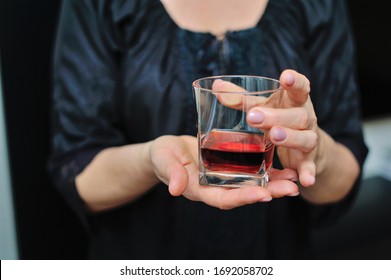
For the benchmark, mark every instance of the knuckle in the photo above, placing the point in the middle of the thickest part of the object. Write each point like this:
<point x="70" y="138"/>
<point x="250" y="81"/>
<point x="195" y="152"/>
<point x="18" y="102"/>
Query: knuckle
<point x="303" y="119"/>
<point x="305" y="83"/>
<point x="308" y="86"/>
<point x="312" y="141"/>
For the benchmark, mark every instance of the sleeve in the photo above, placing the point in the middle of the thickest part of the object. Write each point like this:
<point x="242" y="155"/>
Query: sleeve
<point x="334" y="88"/>
<point x="85" y="93"/>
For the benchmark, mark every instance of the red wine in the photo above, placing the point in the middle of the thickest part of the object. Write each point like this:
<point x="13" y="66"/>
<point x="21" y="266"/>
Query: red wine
<point x="234" y="151"/>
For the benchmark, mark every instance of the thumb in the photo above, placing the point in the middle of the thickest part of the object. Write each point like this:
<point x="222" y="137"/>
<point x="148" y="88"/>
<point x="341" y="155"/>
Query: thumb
<point x="170" y="171"/>
<point x="177" y="179"/>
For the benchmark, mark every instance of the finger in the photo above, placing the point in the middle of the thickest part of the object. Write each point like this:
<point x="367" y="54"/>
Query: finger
<point x="297" y="86"/>
<point x="233" y="96"/>
<point x="229" y="198"/>
<point x="227" y="93"/>
<point x="284" y="174"/>
<point x="266" y="118"/>
<point x="307" y="171"/>
<point x="281" y="188"/>
<point x="171" y="171"/>
<point x="220" y="85"/>
<point x="302" y="140"/>
<point x="177" y="179"/>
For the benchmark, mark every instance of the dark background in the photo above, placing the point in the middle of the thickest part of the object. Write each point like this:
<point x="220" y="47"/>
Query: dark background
<point x="46" y="227"/>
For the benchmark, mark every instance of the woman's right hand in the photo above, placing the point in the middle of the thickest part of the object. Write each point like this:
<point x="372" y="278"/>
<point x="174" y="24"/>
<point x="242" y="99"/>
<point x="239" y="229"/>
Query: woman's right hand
<point x="120" y="175"/>
<point x="175" y="162"/>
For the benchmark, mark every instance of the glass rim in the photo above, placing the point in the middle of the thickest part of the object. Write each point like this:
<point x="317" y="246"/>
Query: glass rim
<point x="196" y="84"/>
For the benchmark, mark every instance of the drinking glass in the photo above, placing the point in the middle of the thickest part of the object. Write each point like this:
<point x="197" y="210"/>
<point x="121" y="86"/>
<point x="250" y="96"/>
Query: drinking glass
<point x="231" y="152"/>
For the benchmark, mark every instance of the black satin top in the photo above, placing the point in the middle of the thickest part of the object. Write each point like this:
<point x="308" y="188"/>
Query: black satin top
<point x="122" y="74"/>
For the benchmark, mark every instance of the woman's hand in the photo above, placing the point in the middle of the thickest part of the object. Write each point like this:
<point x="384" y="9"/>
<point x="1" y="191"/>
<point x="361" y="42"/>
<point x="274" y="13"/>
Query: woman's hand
<point x="289" y="118"/>
<point x="325" y="165"/>
<point x="292" y="126"/>
<point x="175" y="162"/>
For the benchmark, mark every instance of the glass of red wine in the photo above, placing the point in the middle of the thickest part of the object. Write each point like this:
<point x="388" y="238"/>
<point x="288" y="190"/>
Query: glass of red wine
<point x="231" y="152"/>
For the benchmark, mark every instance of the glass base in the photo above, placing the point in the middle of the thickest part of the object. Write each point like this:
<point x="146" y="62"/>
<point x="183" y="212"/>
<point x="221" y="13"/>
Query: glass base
<point x="232" y="180"/>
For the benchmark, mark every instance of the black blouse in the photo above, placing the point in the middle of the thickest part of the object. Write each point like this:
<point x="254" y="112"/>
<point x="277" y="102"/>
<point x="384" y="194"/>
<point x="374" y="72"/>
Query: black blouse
<point x="122" y="74"/>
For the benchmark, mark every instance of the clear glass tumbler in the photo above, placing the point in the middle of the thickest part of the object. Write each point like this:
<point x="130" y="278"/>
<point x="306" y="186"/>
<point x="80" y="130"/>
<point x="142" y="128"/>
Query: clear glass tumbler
<point x="231" y="152"/>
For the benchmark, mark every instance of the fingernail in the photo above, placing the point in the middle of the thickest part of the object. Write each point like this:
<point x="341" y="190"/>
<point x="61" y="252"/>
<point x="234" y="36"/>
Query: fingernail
<point x="278" y="134"/>
<point x="218" y="82"/>
<point x="266" y="199"/>
<point x="255" y="117"/>
<point x="294" y="194"/>
<point x="289" y="79"/>
<point x="218" y="85"/>
<point x="308" y="181"/>
<point x="311" y="180"/>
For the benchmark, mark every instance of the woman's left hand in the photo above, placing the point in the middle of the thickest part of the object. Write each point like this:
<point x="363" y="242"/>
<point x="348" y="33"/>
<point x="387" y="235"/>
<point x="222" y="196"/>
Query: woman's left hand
<point x="293" y="126"/>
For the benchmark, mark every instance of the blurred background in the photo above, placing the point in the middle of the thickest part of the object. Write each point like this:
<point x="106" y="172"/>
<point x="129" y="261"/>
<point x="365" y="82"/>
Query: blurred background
<point x="35" y="223"/>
